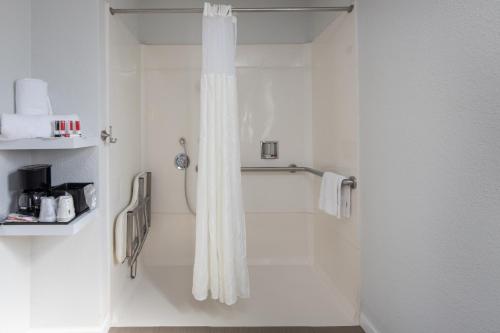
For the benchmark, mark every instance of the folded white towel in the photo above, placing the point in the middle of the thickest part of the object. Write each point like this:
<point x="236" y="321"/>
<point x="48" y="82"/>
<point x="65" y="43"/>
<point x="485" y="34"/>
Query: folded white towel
<point x="15" y="126"/>
<point x="334" y="199"/>
<point x="32" y="97"/>
<point x="345" y="201"/>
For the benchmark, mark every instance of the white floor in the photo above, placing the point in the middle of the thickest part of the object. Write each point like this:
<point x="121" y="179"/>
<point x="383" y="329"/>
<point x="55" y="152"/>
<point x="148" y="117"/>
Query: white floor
<point x="280" y="296"/>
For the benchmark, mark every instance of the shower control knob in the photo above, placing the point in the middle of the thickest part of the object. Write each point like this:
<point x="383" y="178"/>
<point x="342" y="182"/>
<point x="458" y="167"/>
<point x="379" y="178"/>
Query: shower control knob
<point x="181" y="161"/>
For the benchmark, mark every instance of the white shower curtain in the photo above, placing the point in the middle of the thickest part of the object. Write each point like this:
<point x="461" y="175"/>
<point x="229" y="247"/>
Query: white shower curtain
<point x="220" y="267"/>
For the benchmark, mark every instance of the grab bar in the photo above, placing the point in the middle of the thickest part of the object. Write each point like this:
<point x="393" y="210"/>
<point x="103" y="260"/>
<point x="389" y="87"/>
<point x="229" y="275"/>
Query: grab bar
<point x="350" y="181"/>
<point x="292" y="168"/>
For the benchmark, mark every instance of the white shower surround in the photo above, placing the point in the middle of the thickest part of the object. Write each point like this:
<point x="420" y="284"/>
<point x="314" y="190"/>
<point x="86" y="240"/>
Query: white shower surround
<point x="267" y="78"/>
<point x="297" y="256"/>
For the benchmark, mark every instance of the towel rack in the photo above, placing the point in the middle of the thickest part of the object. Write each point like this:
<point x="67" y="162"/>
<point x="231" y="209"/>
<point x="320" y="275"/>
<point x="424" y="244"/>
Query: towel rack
<point x="139" y="223"/>
<point x="350" y="181"/>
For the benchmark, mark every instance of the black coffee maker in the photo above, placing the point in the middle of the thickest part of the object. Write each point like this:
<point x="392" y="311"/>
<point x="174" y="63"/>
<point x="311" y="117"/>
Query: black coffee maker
<point x="36" y="181"/>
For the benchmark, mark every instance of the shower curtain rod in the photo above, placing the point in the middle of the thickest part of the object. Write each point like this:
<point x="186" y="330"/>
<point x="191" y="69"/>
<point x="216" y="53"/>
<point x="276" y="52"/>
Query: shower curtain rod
<point x="114" y="11"/>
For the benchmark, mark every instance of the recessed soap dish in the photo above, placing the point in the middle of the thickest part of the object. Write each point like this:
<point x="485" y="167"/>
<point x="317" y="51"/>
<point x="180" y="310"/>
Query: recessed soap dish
<point x="269" y="150"/>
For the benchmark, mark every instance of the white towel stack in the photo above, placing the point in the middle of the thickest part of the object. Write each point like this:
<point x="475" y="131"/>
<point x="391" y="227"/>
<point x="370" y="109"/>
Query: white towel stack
<point x="335" y="199"/>
<point x="32" y="97"/>
<point x="33" y="117"/>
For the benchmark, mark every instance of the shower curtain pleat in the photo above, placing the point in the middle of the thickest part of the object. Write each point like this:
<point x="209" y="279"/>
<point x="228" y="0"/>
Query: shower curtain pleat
<point x="220" y="268"/>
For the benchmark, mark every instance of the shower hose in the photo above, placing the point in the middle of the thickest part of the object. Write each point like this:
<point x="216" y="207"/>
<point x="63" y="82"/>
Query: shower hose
<point x="182" y="141"/>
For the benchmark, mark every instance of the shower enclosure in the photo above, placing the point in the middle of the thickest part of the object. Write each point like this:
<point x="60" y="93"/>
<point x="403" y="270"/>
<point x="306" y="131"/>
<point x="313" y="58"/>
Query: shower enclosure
<point x="297" y="84"/>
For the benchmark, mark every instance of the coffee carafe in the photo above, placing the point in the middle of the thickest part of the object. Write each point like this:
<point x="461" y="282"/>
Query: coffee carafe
<point x="36" y="181"/>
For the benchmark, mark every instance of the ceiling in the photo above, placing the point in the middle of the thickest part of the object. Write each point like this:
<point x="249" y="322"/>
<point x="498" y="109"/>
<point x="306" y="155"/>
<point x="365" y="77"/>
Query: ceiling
<point x="253" y="28"/>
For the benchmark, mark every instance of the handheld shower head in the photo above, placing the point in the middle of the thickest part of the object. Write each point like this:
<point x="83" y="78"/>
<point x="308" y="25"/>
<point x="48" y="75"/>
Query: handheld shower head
<point x="182" y="163"/>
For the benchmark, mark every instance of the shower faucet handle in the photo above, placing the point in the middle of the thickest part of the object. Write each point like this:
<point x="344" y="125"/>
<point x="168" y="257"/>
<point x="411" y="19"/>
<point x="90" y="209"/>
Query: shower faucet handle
<point x="108" y="136"/>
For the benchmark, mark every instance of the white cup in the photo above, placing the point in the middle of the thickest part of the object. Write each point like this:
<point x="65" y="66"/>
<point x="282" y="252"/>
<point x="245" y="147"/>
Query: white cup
<point x="65" y="208"/>
<point x="48" y="208"/>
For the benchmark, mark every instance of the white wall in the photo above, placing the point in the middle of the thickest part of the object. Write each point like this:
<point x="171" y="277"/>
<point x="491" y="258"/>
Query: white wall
<point x="56" y="284"/>
<point x="69" y="277"/>
<point x="14" y="64"/>
<point x="335" y="145"/>
<point x="430" y="157"/>
<point x="15" y="285"/>
<point x="14" y="252"/>
<point x="70" y="59"/>
<point x="274" y="103"/>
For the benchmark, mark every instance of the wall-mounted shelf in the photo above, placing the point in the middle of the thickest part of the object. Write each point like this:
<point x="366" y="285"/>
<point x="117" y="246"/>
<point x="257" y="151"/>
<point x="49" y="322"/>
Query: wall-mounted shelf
<point x="49" y="143"/>
<point x="49" y="230"/>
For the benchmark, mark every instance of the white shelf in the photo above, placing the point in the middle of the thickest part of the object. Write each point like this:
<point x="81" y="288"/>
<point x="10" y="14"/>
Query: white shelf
<point x="48" y="143"/>
<point x="49" y="230"/>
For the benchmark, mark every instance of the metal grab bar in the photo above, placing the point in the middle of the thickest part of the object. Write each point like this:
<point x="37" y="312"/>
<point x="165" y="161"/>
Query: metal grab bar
<point x="350" y="181"/>
<point x="292" y="168"/>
